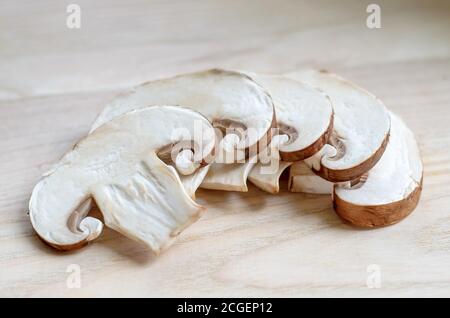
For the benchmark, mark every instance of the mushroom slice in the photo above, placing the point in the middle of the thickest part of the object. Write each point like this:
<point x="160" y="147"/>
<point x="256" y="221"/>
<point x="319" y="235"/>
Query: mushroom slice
<point x="193" y="181"/>
<point x="304" y="117"/>
<point x="303" y="179"/>
<point x="230" y="100"/>
<point x="118" y="167"/>
<point x="191" y="176"/>
<point x="392" y="188"/>
<point x="267" y="172"/>
<point x="360" y="131"/>
<point x="227" y="177"/>
<point x="268" y="181"/>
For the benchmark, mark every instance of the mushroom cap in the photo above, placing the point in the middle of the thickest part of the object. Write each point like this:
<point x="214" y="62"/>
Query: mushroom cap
<point x="117" y="165"/>
<point x="303" y="113"/>
<point x="360" y="129"/>
<point x="392" y="188"/>
<point x="226" y="98"/>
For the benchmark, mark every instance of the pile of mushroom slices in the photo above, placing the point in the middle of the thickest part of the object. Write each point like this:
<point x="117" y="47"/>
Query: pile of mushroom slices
<point x="151" y="148"/>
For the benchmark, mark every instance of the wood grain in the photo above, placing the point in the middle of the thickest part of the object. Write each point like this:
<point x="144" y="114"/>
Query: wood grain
<point x="53" y="82"/>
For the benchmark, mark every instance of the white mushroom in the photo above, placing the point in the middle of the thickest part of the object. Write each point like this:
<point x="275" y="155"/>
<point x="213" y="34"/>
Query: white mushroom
<point x="267" y="172"/>
<point x="384" y="195"/>
<point x="228" y="177"/>
<point x="303" y="179"/>
<point x="303" y="114"/>
<point x="304" y="119"/>
<point x="360" y="131"/>
<point x="230" y="100"/>
<point x="118" y="166"/>
<point x="392" y="188"/>
<point x="193" y="181"/>
<point x="268" y="181"/>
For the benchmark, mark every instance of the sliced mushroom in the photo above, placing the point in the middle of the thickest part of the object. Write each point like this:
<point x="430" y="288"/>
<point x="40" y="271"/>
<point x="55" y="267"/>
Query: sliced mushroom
<point x="304" y="116"/>
<point x="267" y="172"/>
<point x="227" y="177"/>
<point x="268" y="181"/>
<point x="118" y="166"/>
<point x="193" y="181"/>
<point x="392" y="188"/>
<point x="230" y="100"/>
<point x="360" y="131"/>
<point x="303" y="179"/>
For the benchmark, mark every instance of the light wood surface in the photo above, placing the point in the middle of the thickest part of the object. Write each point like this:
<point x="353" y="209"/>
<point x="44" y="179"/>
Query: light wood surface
<point x="53" y="82"/>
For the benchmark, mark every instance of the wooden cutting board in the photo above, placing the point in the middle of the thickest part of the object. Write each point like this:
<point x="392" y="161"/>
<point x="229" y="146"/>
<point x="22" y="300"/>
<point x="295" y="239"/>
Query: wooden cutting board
<point x="54" y="80"/>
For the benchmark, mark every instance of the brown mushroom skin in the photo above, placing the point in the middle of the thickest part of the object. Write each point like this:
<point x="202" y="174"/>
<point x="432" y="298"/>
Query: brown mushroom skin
<point x="356" y="171"/>
<point x="65" y="248"/>
<point x="376" y="215"/>
<point x="311" y="149"/>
